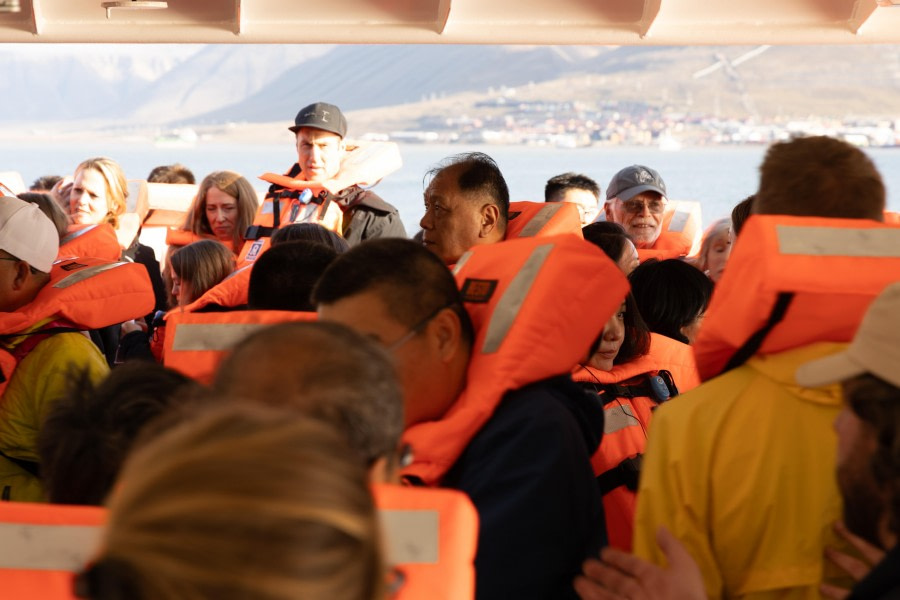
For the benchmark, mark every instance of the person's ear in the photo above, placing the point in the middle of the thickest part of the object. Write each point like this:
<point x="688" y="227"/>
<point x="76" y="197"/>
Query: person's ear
<point x="490" y="217"/>
<point x="607" y="210"/>
<point x="23" y="273"/>
<point x="446" y="330"/>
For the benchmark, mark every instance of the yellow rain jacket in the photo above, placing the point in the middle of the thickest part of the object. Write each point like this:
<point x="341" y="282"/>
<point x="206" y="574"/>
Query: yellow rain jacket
<point x="742" y="470"/>
<point x="42" y="378"/>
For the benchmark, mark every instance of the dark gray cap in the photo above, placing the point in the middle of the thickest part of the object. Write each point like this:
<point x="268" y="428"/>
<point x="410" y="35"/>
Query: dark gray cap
<point x="321" y="115"/>
<point x="634" y="180"/>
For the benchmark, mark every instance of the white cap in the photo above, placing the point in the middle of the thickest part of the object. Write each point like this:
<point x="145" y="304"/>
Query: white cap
<point x="875" y="348"/>
<point x="27" y="233"/>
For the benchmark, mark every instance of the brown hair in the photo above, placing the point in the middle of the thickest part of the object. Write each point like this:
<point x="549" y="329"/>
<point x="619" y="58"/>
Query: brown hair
<point x="819" y="177"/>
<point x="235" y="186"/>
<point x="116" y="185"/>
<point x="241" y="502"/>
<point x="49" y="207"/>
<point x="877" y="402"/>
<point x="202" y="265"/>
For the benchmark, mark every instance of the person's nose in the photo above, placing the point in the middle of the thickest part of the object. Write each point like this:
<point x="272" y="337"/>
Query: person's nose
<point x="426" y="221"/>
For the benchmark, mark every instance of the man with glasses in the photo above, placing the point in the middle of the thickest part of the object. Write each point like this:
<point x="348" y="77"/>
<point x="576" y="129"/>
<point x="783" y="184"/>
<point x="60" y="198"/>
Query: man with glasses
<point x="577" y="189"/>
<point x="526" y="468"/>
<point x="636" y="200"/>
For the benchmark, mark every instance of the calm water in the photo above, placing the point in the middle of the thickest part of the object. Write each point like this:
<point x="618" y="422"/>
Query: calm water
<point x="717" y="177"/>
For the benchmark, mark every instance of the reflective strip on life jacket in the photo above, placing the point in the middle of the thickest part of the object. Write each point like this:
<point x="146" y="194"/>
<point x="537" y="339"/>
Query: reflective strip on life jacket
<point x="43" y="544"/>
<point x="530" y="219"/>
<point x="681" y="233"/>
<point x="793" y="281"/>
<point x="507" y="288"/>
<point x="76" y="234"/>
<point x="46" y="547"/>
<point x="196" y="343"/>
<point x="431" y="536"/>
<point x="90" y="293"/>
<point x="618" y="417"/>
<point x="508" y="306"/>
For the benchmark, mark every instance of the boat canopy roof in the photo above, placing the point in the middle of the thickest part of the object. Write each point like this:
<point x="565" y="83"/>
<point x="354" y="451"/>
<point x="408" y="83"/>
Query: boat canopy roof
<point x="591" y="22"/>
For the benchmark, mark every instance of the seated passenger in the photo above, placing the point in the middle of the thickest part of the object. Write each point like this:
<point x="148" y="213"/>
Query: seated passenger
<point x="87" y="434"/>
<point x="700" y="477"/>
<point x="578" y="189"/>
<point x="715" y="249"/>
<point x="177" y="173"/>
<point x="527" y="466"/>
<point x="198" y="267"/>
<point x="223" y="210"/>
<point x="615" y="243"/>
<point x="636" y="200"/>
<point x="466" y="204"/>
<point x="303" y="367"/>
<point x="51" y="209"/>
<point x="672" y="297"/>
<point x="241" y="502"/>
<point x="44" y="184"/>
<point x="43" y="312"/>
<point x="284" y="276"/>
<point x="311" y="232"/>
<point x="739" y="214"/>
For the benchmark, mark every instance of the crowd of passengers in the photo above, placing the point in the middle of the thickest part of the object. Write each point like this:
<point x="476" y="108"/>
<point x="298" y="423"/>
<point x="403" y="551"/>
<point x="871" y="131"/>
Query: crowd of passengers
<point x="631" y="413"/>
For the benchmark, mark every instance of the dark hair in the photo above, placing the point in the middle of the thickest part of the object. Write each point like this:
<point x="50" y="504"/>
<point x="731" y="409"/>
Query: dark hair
<point x="556" y="186"/>
<point x="478" y="173"/>
<point x="312" y="232"/>
<point x="877" y="402"/>
<point x="740" y="213"/>
<point x="314" y="361"/>
<point x="819" y="177"/>
<point x="87" y="434"/>
<point x="670" y="294"/>
<point x="50" y="208"/>
<point x="176" y="173"/>
<point x="411" y="280"/>
<point x="608" y="236"/>
<point x="636" y="342"/>
<point x="284" y="276"/>
<point x="45" y="183"/>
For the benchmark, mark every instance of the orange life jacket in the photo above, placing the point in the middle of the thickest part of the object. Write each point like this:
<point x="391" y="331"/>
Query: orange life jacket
<point x="527" y="219"/>
<point x="195" y="343"/>
<point x="364" y="164"/>
<point x="182" y="237"/>
<point x="535" y="316"/>
<point x="891" y="217"/>
<point x="431" y="537"/>
<point x="675" y="357"/>
<point x="44" y="545"/>
<point x="792" y="281"/>
<point x="231" y="292"/>
<point x="88" y="293"/>
<point x="629" y="397"/>
<point x="98" y="241"/>
<point x="681" y="233"/>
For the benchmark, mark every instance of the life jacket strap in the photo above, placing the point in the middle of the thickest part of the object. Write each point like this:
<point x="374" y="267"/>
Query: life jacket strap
<point x="660" y="386"/>
<point x="29" y="466"/>
<point x="625" y="473"/>
<point x="755" y="341"/>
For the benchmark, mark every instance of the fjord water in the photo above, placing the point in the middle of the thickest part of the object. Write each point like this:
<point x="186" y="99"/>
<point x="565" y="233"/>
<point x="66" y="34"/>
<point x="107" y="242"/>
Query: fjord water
<point x="717" y="177"/>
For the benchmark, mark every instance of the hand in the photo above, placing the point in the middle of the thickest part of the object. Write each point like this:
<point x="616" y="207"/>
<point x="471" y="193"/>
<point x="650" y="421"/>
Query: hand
<point x="621" y="575"/>
<point x="856" y="568"/>
<point x="60" y="193"/>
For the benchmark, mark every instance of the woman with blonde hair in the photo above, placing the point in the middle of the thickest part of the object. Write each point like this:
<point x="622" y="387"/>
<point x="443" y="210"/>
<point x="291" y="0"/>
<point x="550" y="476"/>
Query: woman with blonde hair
<point x="99" y="192"/>
<point x="196" y="268"/>
<point x="224" y="208"/>
<point x="240" y="502"/>
<point x="715" y="249"/>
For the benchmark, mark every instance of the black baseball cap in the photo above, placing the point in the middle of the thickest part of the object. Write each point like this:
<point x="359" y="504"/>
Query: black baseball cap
<point x="634" y="180"/>
<point x="321" y="115"/>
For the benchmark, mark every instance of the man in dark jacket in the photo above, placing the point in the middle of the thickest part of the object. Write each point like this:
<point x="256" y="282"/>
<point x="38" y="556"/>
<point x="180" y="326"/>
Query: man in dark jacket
<point x="320" y="129"/>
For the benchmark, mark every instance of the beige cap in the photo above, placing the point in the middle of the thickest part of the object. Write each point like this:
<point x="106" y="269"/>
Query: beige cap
<point x="875" y="349"/>
<point x="27" y="233"/>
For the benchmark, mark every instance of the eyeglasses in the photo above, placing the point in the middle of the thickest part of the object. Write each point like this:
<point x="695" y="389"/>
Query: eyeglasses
<point x="636" y="206"/>
<point x="417" y="328"/>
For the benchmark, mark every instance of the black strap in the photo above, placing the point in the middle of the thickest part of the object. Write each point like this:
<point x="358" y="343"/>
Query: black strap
<point x="48" y="331"/>
<point x="754" y="342"/>
<point x="28" y="466"/>
<point x="626" y="473"/>
<point x="640" y="386"/>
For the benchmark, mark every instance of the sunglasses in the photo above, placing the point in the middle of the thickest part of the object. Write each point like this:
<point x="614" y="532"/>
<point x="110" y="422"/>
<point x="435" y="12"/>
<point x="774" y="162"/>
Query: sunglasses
<point x="637" y="206"/>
